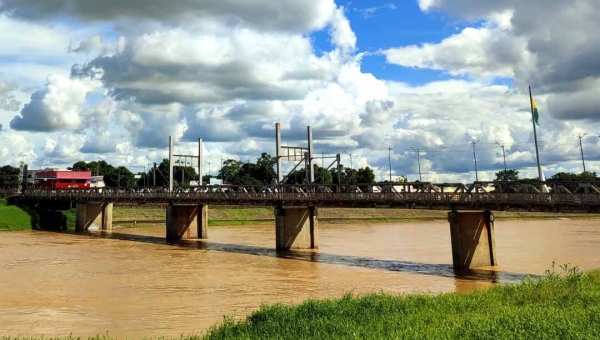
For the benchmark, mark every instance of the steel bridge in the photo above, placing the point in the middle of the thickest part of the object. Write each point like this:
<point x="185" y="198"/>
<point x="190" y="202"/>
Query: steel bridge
<point x="543" y="196"/>
<point x="296" y="207"/>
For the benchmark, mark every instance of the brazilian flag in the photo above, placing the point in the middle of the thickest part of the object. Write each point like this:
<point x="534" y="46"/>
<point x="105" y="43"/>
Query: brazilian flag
<point x="536" y="115"/>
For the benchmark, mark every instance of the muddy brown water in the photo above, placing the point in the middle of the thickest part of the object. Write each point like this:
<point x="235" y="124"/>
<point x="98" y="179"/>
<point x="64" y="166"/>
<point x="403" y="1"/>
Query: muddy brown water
<point x="133" y="283"/>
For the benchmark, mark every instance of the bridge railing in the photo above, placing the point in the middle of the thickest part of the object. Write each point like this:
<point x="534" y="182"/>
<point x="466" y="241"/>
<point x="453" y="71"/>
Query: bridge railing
<point x="300" y="195"/>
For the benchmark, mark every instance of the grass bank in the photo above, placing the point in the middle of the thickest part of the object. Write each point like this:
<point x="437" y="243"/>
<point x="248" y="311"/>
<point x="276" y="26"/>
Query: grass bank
<point x="13" y="218"/>
<point x="16" y="218"/>
<point x="555" y="307"/>
<point x="153" y="214"/>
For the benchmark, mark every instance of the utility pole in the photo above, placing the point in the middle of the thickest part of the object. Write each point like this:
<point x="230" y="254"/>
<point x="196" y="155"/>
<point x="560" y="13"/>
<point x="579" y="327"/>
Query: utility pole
<point x="475" y="158"/>
<point x="144" y="174"/>
<point x="419" y="160"/>
<point x="154" y="175"/>
<point x="581" y="147"/>
<point x="503" y="155"/>
<point x="390" y="161"/>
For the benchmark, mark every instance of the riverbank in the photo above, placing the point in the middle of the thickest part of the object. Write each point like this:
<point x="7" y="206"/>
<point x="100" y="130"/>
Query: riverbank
<point x="555" y="307"/>
<point x="140" y="215"/>
<point x="13" y="218"/>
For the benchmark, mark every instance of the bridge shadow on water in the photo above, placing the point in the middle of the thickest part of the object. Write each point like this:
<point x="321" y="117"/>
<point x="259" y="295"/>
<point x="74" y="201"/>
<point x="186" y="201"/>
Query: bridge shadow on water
<point x="442" y="270"/>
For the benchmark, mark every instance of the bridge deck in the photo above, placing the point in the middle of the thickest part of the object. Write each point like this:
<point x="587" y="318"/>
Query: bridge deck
<point x="494" y="201"/>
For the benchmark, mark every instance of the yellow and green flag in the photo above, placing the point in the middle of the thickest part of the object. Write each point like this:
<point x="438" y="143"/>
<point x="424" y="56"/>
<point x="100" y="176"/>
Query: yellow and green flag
<point x="536" y="115"/>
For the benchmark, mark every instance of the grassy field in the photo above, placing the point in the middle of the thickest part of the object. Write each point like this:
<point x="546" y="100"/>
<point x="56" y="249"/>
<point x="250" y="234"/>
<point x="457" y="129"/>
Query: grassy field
<point x="125" y="215"/>
<point x="13" y="218"/>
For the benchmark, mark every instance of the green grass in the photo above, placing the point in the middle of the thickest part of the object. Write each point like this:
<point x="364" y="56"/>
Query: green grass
<point x="563" y="305"/>
<point x="71" y="215"/>
<point x="16" y="218"/>
<point x="13" y="218"/>
<point x="554" y="307"/>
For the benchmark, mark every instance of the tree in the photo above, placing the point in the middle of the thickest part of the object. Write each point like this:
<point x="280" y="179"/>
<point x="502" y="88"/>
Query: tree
<point x="365" y="176"/>
<point x="570" y="177"/>
<point x="507" y="176"/>
<point x="9" y="177"/>
<point x="230" y="171"/>
<point x="119" y="177"/>
<point x="264" y="170"/>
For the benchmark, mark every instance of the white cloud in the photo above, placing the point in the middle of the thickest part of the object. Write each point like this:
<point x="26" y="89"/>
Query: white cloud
<point x="15" y="148"/>
<point x="7" y="97"/>
<point x="477" y="52"/>
<point x="342" y="35"/>
<point x="56" y="107"/>
<point x="545" y="29"/>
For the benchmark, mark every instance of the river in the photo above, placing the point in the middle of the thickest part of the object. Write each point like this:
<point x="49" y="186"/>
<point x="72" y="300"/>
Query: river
<point x="133" y="284"/>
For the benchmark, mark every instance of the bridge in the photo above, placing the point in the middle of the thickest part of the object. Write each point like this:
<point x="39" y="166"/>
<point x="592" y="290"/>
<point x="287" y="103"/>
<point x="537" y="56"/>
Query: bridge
<point x="296" y="207"/>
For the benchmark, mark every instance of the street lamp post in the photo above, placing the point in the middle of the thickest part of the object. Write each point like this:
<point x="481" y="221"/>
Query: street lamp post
<point x="419" y="160"/>
<point x="503" y="155"/>
<point x="390" y="161"/>
<point x="208" y="170"/>
<point x="144" y="174"/>
<point x="475" y="158"/>
<point x="581" y="147"/>
<point x="351" y="167"/>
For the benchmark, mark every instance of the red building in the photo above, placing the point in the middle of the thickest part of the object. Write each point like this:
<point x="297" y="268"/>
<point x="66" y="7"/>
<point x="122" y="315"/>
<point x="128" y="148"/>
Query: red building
<point x="62" y="179"/>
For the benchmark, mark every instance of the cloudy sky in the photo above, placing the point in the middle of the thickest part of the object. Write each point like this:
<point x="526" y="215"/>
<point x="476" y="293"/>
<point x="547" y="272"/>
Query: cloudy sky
<point x="89" y="80"/>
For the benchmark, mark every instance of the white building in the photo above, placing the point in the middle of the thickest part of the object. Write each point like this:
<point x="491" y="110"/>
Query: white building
<point x="97" y="182"/>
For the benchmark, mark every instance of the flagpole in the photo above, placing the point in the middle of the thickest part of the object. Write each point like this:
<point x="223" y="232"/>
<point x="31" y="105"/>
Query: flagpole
<point x="537" y="151"/>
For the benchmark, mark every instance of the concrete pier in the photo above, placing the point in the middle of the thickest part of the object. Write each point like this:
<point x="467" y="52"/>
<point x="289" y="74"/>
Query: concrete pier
<point x="187" y="222"/>
<point x="473" y="239"/>
<point x="296" y="228"/>
<point x="89" y="214"/>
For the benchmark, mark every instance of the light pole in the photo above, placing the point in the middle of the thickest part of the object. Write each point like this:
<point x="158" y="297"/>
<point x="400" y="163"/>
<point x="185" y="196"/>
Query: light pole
<point x="144" y="174"/>
<point x="148" y="173"/>
<point x="419" y="160"/>
<point x="390" y="161"/>
<point x="154" y="175"/>
<point x="475" y="158"/>
<point x="503" y="155"/>
<point x="351" y="167"/>
<point x="208" y="170"/>
<point x="222" y="177"/>
<point x="581" y="147"/>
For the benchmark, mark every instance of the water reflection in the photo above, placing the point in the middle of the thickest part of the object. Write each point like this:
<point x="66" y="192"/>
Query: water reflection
<point x="444" y="270"/>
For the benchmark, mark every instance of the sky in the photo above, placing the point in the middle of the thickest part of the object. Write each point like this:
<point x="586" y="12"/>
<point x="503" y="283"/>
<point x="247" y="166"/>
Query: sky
<point x="112" y="80"/>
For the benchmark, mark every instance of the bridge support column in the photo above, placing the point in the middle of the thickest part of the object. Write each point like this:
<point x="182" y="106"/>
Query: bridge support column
<point x="89" y="214"/>
<point x="187" y="222"/>
<point x="473" y="239"/>
<point x="296" y="228"/>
